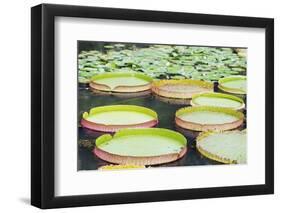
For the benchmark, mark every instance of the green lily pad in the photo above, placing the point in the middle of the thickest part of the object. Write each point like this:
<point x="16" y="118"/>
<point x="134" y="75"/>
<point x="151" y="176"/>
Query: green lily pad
<point x="165" y="61"/>
<point x="129" y="79"/>
<point x="148" y="146"/>
<point x="217" y="100"/>
<point x="234" y="84"/>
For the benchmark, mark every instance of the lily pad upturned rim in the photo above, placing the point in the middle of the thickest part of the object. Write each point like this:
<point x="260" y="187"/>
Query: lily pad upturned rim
<point x="209" y="155"/>
<point x="113" y="128"/>
<point x="208" y="127"/>
<point x="121" y="94"/>
<point x="219" y="95"/>
<point x="121" y="88"/>
<point x="229" y="89"/>
<point x="111" y="167"/>
<point x="140" y="160"/>
<point x="157" y="87"/>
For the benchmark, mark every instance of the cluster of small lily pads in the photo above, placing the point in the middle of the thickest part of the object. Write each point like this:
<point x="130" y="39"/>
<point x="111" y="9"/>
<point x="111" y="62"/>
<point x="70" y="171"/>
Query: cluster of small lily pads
<point x="163" y="61"/>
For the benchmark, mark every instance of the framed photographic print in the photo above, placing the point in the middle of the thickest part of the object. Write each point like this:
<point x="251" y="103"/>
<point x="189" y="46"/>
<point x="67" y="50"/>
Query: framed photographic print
<point x="140" y="106"/>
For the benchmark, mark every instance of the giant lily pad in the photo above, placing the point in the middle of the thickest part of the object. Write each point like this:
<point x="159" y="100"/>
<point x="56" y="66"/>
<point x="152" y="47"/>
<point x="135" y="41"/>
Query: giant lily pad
<point x="148" y="146"/>
<point x="226" y="147"/>
<point x="234" y="84"/>
<point x="121" y="82"/>
<point x="114" y="117"/>
<point x="183" y="89"/>
<point x="205" y="118"/>
<point x="217" y="100"/>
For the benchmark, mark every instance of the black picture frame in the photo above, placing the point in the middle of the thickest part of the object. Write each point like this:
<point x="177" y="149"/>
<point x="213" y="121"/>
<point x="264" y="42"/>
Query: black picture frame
<point x="43" y="102"/>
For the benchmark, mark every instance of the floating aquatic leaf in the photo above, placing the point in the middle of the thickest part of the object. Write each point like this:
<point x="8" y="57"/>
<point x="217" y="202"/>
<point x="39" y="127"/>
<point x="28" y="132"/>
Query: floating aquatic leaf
<point x="162" y="61"/>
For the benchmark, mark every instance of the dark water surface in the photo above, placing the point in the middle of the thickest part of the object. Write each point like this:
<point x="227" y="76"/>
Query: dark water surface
<point x="166" y="112"/>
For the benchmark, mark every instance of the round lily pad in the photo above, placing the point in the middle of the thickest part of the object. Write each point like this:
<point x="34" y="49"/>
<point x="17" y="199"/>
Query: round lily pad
<point x="114" y="117"/>
<point x="125" y="82"/>
<point x="217" y="100"/>
<point x="149" y="146"/>
<point x="233" y="84"/>
<point x="183" y="89"/>
<point x="226" y="147"/>
<point x="205" y="118"/>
